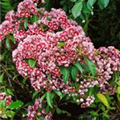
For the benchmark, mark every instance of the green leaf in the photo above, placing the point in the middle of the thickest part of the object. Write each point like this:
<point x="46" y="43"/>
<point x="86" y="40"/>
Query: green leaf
<point x="74" y="72"/>
<point x="15" y="105"/>
<point x="79" y="67"/>
<point x="10" y="114"/>
<point x="47" y="109"/>
<point x="2" y="104"/>
<point x="35" y="18"/>
<point x="115" y="76"/>
<point x="1" y="77"/>
<point x="61" y="44"/>
<point x="8" y="44"/>
<point x="9" y="92"/>
<point x="59" y="112"/>
<point x="91" y="66"/>
<point x="32" y="62"/>
<point x="12" y="39"/>
<point x="73" y="0"/>
<point x="43" y="97"/>
<point x="26" y="23"/>
<point x="103" y="99"/>
<point x="118" y="90"/>
<point x="65" y="72"/>
<point x="49" y="98"/>
<point x="77" y="8"/>
<point x="58" y="93"/>
<point x="34" y="94"/>
<point x="90" y="4"/>
<point x="103" y="3"/>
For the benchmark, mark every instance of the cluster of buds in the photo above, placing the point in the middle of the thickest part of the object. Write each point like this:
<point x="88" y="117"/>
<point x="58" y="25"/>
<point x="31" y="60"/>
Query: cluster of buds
<point x="6" y="98"/>
<point x="37" y="110"/>
<point x="107" y="62"/>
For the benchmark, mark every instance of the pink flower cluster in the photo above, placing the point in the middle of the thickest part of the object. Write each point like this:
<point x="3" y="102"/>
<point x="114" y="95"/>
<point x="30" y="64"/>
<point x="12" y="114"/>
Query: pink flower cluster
<point x="6" y="98"/>
<point x="37" y="110"/>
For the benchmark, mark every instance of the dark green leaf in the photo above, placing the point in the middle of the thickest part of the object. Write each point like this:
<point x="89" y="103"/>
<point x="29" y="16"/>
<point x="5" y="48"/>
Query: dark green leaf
<point x="43" y="97"/>
<point x="74" y="72"/>
<point x="77" y="8"/>
<point x="58" y="93"/>
<point x="91" y="66"/>
<point x="34" y="94"/>
<point x="103" y="3"/>
<point x="65" y="72"/>
<point x="73" y="0"/>
<point x="115" y="76"/>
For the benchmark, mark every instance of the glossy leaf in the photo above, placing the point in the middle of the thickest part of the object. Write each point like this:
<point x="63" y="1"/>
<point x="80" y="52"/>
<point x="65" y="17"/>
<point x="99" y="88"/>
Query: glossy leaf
<point x="103" y="3"/>
<point x="49" y="98"/>
<point x="65" y="72"/>
<point x="90" y="4"/>
<point x="79" y="67"/>
<point x="74" y="72"/>
<point x="91" y="66"/>
<point x="26" y="23"/>
<point x="8" y="44"/>
<point x="15" y="105"/>
<point x="77" y="8"/>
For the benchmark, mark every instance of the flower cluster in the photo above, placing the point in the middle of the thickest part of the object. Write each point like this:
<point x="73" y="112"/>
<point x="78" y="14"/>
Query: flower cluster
<point x="107" y="62"/>
<point x="6" y="98"/>
<point x="37" y="110"/>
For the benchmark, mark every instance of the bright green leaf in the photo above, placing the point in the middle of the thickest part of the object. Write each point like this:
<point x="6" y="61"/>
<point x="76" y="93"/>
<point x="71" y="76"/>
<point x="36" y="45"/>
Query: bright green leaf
<point x="15" y="105"/>
<point x="32" y="62"/>
<point x="35" y="18"/>
<point x="9" y="92"/>
<point x="118" y="90"/>
<point x="103" y="99"/>
<point x="77" y="8"/>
